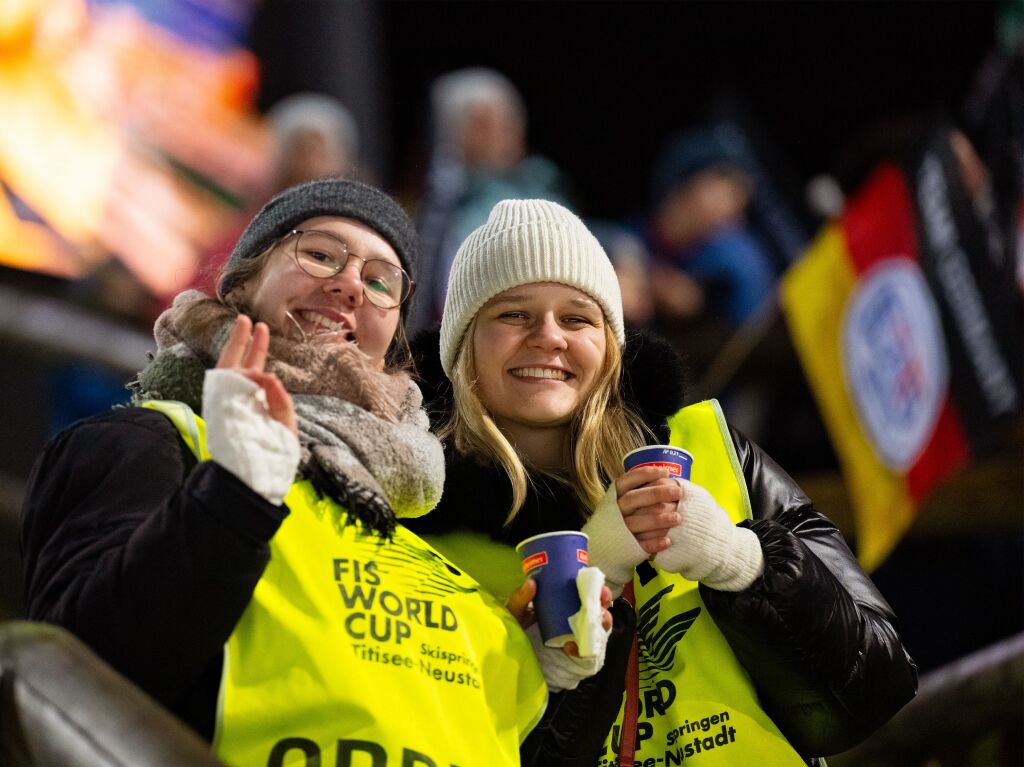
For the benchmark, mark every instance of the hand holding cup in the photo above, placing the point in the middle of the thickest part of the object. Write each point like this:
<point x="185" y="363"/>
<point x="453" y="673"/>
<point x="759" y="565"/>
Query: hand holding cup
<point x="520" y="604"/>
<point x="648" y="495"/>
<point x="553" y="561"/>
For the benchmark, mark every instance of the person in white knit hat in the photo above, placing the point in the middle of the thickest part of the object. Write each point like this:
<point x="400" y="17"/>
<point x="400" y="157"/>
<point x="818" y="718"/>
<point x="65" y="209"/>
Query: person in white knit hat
<point x="759" y="640"/>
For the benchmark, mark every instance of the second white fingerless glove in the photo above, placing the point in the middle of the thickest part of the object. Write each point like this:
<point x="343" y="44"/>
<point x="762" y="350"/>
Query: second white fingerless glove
<point x="708" y="547"/>
<point x="612" y="546"/>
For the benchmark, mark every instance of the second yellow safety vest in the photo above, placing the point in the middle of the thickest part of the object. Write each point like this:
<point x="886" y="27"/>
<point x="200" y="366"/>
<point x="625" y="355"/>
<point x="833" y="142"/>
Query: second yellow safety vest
<point x="697" y="705"/>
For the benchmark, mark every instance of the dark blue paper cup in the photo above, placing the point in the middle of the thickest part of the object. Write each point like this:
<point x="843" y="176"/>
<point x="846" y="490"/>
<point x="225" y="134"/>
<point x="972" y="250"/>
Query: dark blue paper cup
<point x="675" y="459"/>
<point x="552" y="560"/>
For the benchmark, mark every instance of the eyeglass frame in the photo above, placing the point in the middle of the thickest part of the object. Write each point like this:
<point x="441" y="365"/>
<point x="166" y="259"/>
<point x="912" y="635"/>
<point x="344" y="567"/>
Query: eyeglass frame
<point x="348" y="254"/>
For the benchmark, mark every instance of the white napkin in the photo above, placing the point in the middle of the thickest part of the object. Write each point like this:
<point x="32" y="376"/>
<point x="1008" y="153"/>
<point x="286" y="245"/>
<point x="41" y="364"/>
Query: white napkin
<point x="586" y="624"/>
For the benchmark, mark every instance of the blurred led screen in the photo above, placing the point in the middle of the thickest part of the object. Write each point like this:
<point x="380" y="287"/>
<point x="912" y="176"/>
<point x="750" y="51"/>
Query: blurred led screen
<point x="128" y="133"/>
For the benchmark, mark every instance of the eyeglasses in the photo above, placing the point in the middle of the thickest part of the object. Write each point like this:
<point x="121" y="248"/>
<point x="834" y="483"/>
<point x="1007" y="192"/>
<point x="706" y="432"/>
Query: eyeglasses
<point x="323" y="256"/>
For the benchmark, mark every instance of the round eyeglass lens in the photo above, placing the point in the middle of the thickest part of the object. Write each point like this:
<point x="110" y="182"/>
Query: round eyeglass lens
<point x="384" y="284"/>
<point x="323" y="256"/>
<point x="320" y="255"/>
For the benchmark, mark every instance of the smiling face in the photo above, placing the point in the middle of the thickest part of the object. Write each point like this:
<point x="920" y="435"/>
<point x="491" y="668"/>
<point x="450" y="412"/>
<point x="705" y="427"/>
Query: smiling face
<point x="539" y="350"/>
<point x="336" y="305"/>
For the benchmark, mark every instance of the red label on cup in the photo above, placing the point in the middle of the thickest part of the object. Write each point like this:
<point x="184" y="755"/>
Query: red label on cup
<point x="582" y="556"/>
<point x="536" y="560"/>
<point x="673" y="468"/>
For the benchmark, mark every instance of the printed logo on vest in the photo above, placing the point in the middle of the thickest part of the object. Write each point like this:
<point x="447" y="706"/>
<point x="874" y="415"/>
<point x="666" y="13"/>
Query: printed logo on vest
<point x="658" y="644"/>
<point x="657" y="647"/>
<point x="388" y="626"/>
<point x="348" y="752"/>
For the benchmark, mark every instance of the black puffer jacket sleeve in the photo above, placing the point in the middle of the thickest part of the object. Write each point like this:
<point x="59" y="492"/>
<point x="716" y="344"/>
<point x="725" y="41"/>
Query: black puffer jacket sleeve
<point x="146" y="556"/>
<point x="819" y="641"/>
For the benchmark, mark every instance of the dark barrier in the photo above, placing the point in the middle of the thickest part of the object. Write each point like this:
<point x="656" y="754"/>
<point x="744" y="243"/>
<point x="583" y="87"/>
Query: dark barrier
<point x="956" y="705"/>
<point x="61" y="706"/>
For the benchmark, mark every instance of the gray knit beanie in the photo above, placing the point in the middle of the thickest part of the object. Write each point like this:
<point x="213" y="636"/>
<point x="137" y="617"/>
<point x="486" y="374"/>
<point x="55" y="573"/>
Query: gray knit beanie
<point x="328" y="197"/>
<point x="525" y="241"/>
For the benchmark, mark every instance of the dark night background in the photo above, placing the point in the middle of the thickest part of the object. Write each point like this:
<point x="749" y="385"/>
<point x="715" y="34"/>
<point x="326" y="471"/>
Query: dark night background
<point x="606" y="82"/>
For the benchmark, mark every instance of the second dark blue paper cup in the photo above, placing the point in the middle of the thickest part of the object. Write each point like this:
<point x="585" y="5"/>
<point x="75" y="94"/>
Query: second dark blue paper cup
<point x="552" y="560"/>
<point x="675" y="459"/>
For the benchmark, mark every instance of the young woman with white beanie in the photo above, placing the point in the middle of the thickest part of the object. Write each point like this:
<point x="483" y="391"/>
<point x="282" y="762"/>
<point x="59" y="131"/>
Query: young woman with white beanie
<point x="759" y="640"/>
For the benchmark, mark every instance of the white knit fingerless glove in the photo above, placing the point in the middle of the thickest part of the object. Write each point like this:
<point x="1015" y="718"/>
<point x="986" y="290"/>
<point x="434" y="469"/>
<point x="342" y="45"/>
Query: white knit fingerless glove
<point x="244" y="439"/>
<point x="708" y="547"/>
<point x="612" y="546"/>
<point x="562" y="672"/>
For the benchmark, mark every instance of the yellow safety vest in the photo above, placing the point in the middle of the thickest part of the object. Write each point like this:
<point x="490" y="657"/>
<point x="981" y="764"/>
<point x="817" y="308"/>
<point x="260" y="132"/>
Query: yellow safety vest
<point x="697" y="705"/>
<point x="355" y="651"/>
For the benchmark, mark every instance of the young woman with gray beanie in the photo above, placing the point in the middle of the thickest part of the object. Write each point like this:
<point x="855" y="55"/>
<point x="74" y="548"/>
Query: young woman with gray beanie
<point x="233" y="542"/>
<point x="758" y="638"/>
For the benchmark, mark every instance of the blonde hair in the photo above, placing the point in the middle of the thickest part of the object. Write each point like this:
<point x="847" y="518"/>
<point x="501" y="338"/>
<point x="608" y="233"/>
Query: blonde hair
<point x="601" y="431"/>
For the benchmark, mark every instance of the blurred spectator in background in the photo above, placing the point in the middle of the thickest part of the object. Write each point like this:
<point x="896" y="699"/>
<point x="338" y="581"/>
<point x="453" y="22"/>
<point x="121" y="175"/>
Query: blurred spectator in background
<point x="709" y="267"/>
<point x="698" y="228"/>
<point x="478" y="157"/>
<point x="631" y="259"/>
<point x="313" y="136"/>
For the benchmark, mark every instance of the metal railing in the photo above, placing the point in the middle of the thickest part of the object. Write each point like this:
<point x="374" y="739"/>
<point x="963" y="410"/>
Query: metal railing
<point x="956" y="706"/>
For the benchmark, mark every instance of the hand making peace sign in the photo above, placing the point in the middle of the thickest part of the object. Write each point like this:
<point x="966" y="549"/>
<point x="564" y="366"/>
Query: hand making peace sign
<point x="246" y="353"/>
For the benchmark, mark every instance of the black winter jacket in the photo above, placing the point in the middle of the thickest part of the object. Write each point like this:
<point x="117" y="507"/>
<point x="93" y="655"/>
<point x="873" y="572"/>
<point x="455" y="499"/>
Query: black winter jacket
<point x="144" y="555"/>
<point x="817" y="638"/>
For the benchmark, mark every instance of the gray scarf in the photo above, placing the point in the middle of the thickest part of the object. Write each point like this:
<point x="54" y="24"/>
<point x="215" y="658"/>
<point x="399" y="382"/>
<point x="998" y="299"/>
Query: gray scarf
<point x="364" y="435"/>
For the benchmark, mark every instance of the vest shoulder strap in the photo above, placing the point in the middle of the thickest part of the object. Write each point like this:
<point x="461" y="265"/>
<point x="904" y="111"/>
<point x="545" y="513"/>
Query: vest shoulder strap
<point x="191" y="427"/>
<point x="702" y="430"/>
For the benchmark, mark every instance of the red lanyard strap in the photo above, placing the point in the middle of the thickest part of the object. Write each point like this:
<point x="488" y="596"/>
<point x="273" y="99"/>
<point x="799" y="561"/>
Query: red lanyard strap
<point x="631" y="710"/>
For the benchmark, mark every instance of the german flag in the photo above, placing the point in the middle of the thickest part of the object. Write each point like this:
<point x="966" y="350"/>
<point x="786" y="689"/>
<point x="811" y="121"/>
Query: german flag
<point x="906" y="329"/>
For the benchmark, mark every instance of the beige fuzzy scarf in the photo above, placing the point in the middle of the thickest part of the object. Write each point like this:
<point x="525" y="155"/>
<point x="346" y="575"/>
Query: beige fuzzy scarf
<point x="364" y="435"/>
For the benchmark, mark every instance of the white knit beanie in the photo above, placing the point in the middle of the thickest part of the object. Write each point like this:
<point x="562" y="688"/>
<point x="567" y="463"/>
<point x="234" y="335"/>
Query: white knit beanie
<point x="525" y="241"/>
